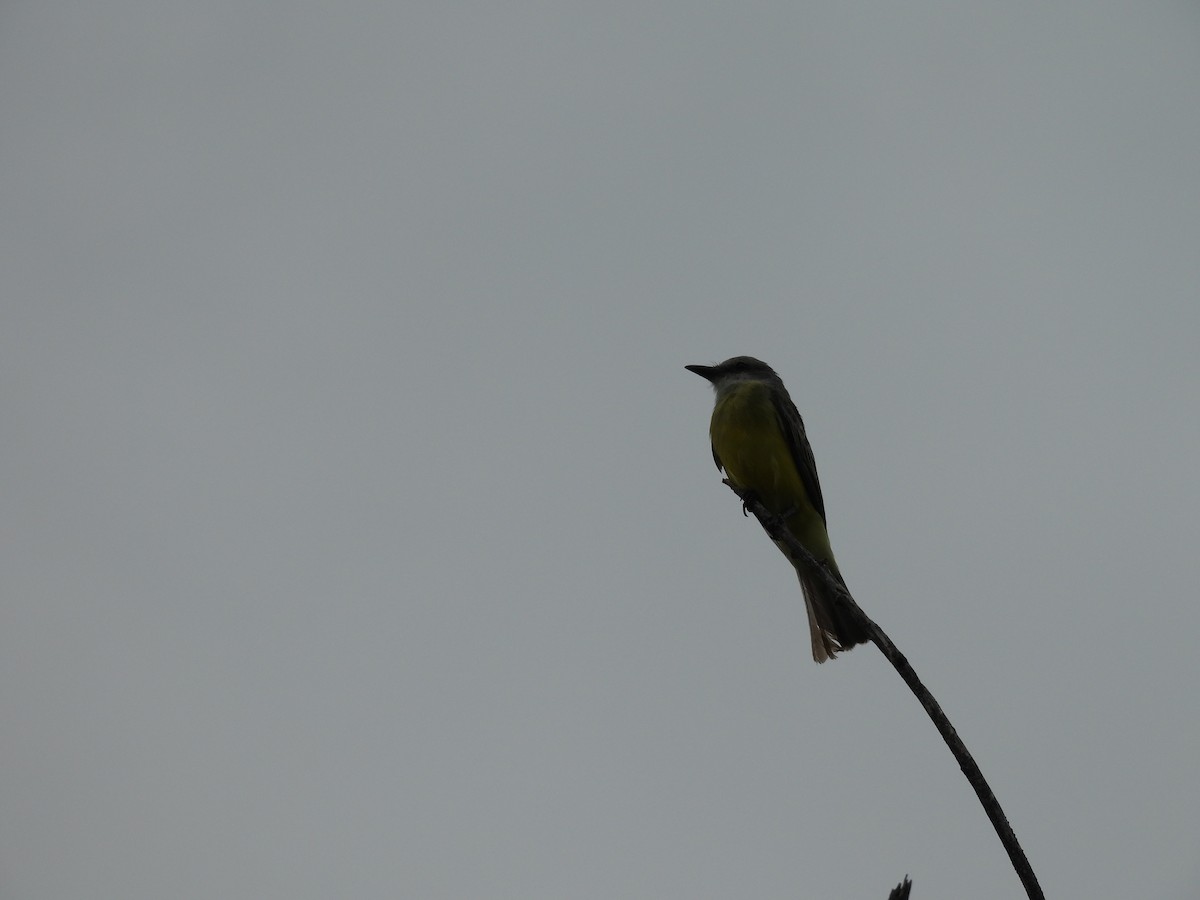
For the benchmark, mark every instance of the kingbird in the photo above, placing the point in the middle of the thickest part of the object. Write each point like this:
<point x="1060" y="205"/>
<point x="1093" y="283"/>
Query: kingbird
<point x="758" y="439"/>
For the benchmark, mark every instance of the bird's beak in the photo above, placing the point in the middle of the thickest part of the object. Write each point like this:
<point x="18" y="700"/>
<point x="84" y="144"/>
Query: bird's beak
<point x="706" y="372"/>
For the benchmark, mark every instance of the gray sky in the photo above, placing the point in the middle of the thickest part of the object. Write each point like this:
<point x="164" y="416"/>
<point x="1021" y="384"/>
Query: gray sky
<point x="360" y="534"/>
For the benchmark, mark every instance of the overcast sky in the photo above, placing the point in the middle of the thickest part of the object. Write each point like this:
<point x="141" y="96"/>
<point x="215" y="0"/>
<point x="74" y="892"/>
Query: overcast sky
<point x="360" y="536"/>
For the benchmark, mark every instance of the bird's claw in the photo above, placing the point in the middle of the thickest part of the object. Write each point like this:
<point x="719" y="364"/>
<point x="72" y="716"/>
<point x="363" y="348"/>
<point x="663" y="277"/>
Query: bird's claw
<point x="748" y="498"/>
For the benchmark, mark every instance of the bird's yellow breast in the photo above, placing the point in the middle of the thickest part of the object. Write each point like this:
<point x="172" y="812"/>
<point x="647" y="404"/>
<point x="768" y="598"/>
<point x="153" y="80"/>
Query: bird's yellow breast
<point x="746" y="436"/>
<point x="755" y="454"/>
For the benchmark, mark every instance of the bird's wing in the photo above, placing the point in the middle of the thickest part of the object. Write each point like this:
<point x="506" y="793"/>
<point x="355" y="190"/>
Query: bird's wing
<point x="792" y="427"/>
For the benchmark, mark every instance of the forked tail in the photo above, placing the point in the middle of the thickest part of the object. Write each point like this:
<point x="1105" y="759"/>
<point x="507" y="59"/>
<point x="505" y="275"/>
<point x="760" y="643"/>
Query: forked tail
<point x="832" y="630"/>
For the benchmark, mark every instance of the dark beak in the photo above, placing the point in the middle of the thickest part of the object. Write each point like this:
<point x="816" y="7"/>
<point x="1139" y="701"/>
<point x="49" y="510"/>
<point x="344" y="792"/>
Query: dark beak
<point x="706" y="372"/>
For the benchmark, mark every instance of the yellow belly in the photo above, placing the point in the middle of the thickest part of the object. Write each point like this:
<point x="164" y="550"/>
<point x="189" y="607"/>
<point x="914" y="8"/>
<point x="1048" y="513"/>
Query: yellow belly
<point x="746" y="437"/>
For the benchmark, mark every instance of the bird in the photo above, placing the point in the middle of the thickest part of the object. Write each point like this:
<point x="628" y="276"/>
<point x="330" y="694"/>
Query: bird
<point x="758" y="439"/>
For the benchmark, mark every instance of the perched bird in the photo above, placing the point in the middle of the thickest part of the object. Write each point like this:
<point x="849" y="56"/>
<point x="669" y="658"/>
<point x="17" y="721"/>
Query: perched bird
<point x="758" y="439"/>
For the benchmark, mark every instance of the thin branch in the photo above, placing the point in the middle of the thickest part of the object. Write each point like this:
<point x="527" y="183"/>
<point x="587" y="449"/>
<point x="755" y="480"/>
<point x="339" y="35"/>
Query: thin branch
<point x="774" y="526"/>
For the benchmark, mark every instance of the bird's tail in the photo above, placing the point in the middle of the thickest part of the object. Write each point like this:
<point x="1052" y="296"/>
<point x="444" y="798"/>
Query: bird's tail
<point x="832" y="630"/>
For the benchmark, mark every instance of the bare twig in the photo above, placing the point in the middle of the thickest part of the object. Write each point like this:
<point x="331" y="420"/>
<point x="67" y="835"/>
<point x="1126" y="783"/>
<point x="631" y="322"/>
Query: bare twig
<point x="774" y="526"/>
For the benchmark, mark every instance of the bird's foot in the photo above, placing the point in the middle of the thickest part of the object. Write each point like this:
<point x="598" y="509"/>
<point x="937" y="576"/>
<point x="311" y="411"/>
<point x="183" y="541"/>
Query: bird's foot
<point x="748" y="496"/>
